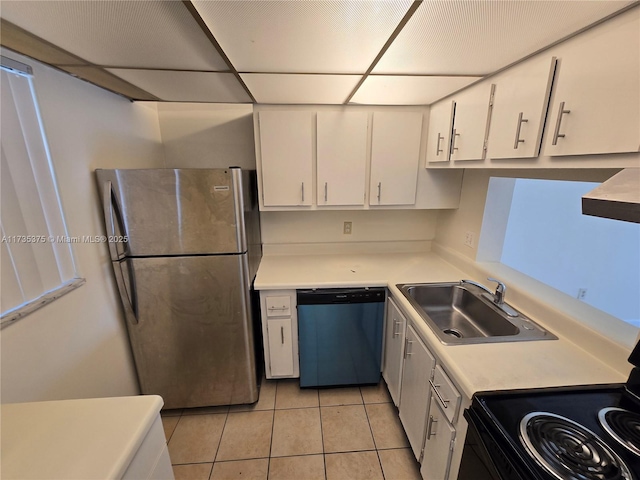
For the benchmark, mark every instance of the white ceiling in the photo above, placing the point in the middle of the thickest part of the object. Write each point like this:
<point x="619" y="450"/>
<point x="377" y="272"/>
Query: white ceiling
<point x="388" y="52"/>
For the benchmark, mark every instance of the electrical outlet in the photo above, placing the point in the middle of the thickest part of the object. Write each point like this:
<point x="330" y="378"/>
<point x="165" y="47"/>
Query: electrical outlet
<point x="469" y="239"/>
<point x="582" y="292"/>
<point x="347" y="228"/>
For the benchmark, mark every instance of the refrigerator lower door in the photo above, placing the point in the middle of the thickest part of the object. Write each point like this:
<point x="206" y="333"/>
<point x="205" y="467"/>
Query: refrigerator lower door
<point x="193" y="341"/>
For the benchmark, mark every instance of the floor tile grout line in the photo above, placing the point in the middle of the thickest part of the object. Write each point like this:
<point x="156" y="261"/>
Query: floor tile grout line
<point x="324" y="456"/>
<point x="273" y="425"/>
<point x="220" y="440"/>
<point x="374" y="437"/>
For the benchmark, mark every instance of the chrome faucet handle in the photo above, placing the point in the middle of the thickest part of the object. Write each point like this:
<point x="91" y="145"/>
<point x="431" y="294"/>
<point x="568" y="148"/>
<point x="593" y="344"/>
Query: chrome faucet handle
<point x="501" y="291"/>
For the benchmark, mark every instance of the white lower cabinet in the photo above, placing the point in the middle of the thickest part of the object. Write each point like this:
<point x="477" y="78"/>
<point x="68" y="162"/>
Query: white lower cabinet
<point x="394" y="348"/>
<point x="438" y="444"/>
<point x="280" y="347"/>
<point x="414" y="394"/>
<point x="280" y="333"/>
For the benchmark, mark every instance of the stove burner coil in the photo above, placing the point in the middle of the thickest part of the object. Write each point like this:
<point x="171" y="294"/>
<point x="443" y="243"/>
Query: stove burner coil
<point x="569" y="451"/>
<point x="623" y="426"/>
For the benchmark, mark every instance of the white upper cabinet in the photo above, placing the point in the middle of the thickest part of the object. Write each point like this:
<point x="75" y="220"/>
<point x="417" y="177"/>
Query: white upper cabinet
<point x="596" y="96"/>
<point x="286" y="145"/>
<point x="470" y="122"/>
<point x="395" y="154"/>
<point x="439" y="136"/>
<point x="520" y="104"/>
<point x="341" y="158"/>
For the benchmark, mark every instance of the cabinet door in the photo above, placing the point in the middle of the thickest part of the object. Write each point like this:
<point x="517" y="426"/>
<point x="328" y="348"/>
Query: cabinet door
<point x="438" y="445"/>
<point x="280" y="347"/>
<point x="342" y="158"/>
<point x="393" y="350"/>
<point x="415" y="391"/>
<point x="520" y="104"/>
<point x="439" y="137"/>
<point x="596" y="97"/>
<point x="286" y="157"/>
<point x="470" y="122"/>
<point x="395" y="154"/>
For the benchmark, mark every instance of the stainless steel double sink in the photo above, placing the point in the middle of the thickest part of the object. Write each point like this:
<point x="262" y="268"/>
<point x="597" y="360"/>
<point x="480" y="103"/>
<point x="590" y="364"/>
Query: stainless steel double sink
<point x="462" y="313"/>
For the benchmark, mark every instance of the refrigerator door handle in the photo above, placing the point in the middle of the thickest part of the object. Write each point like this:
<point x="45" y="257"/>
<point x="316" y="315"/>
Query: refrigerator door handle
<point x="109" y="221"/>
<point x="127" y="290"/>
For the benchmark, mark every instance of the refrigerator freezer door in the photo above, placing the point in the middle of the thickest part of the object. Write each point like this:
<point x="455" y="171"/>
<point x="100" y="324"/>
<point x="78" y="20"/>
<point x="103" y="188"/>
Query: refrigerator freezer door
<point x="175" y="211"/>
<point x="193" y="343"/>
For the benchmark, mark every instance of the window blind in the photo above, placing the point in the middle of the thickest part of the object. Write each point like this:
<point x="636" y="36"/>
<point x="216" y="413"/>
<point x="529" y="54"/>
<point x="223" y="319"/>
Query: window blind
<point x="37" y="262"/>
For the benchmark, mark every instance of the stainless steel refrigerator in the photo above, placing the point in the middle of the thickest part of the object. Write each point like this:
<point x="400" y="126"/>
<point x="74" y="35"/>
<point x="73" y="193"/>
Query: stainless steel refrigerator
<point x="185" y="247"/>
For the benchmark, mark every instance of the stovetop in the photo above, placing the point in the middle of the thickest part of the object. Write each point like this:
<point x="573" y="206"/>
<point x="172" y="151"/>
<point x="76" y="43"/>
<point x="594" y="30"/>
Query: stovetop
<point x="540" y="408"/>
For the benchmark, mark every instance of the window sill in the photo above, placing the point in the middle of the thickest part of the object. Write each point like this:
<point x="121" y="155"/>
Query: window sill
<point x="22" y="311"/>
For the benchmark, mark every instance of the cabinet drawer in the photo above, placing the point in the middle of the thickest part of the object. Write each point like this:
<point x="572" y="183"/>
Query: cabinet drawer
<point x="446" y="393"/>
<point x="279" y="306"/>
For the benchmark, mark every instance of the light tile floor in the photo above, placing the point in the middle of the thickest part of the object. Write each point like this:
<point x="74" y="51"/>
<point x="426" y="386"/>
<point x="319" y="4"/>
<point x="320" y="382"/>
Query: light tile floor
<point x="292" y="433"/>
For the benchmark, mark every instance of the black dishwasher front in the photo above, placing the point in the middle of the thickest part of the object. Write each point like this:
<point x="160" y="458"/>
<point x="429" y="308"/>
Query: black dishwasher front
<point x="340" y="336"/>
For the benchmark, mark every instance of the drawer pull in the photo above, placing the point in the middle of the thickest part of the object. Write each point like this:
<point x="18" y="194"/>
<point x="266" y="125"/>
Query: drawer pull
<point x="407" y="344"/>
<point x="444" y="402"/>
<point x="278" y="308"/>
<point x="431" y="422"/>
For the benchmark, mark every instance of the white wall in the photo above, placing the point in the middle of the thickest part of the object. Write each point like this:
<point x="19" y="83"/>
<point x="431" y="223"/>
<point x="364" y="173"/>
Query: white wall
<point x="367" y="226"/>
<point x="77" y="346"/>
<point x="199" y="135"/>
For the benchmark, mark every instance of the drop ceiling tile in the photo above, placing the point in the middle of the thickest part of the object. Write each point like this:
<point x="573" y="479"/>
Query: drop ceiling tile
<point x="174" y="86"/>
<point x="407" y="90"/>
<point x="302" y="36"/>
<point x="142" y="34"/>
<point x="300" y="89"/>
<point x="471" y="37"/>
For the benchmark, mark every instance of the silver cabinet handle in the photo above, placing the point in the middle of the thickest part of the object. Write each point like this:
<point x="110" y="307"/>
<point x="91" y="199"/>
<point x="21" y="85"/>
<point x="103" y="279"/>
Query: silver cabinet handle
<point x="429" y="426"/>
<point x="438" y="149"/>
<point x="518" y="140"/>
<point x="453" y="142"/>
<point x="325" y="191"/>
<point x="444" y="402"/>
<point x="407" y="344"/>
<point x="379" y="190"/>
<point x="395" y="331"/>
<point x="282" y="335"/>
<point x="302" y="192"/>
<point x="557" y="134"/>
<point x="278" y="308"/>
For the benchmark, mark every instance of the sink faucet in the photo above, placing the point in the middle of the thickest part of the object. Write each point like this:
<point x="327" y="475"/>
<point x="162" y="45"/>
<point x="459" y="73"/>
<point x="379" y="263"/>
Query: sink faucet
<point x="501" y="291"/>
<point x="496" y="297"/>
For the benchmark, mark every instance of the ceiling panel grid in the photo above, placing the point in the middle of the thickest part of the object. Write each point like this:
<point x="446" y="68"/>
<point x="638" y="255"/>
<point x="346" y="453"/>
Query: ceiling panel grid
<point x="302" y="36"/>
<point x="300" y="89"/>
<point x="120" y="33"/>
<point x="407" y="90"/>
<point x="176" y="86"/>
<point x="472" y="37"/>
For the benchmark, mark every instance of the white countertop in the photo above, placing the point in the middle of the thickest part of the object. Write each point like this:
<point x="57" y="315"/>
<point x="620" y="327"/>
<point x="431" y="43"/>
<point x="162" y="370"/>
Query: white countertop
<point x="74" y="439"/>
<point x="474" y="368"/>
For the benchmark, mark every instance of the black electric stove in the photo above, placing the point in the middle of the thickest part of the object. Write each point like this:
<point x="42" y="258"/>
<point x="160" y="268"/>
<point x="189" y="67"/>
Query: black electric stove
<point x="566" y="433"/>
